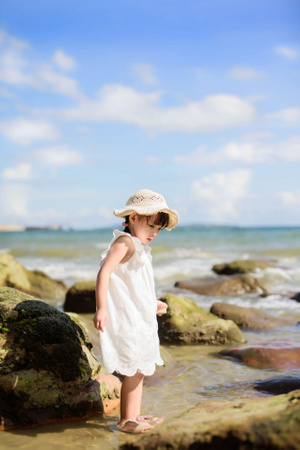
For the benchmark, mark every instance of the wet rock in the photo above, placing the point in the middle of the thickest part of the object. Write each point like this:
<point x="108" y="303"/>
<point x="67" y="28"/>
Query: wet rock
<point x="264" y="423"/>
<point x="296" y="297"/>
<point x="277" y="385"/>
<point x="47" y="368"/>
<point x="224" y="286"/>
<point x="80" y="298"/>
<point x="277" y="355"/>
<point x="186" y="323"/>
<point x="33" y="282"/>
<point x="241" y="266"/>
<point x="250" y="318"/>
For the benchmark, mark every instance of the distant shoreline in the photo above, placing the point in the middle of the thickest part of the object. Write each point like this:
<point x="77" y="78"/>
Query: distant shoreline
<point x="18" y="228"/>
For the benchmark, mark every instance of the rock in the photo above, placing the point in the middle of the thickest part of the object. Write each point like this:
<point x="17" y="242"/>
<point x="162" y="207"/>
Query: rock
<point x="264" y="423"/>
<point x="241" y="266"/>
<point x="47" y="368"/>
<point x="34" y="282"/>
<point x="186" y="323"/>
<point x="250" y="318"/>
<point x="296" y="297"/>
<point x="221" y="286"/>
<point x="277" y="385"/>
<point x="277" y="355"/>
<point x="80" y="298"/>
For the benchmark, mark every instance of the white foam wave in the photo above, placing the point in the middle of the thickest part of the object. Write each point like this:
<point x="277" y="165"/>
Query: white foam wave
<point x="69" y="272"/>
<point x="101" y="245"/>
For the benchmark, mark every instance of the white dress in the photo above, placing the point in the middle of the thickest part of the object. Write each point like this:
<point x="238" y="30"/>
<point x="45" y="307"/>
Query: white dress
<point x="130" y="341"/>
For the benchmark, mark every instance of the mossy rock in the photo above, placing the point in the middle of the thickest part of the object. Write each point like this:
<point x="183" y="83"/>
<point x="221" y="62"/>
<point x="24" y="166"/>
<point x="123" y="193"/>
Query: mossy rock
<point x="241" y="266"/>
<point x="263" y="423"/>
<point x="47" y="368"/>
<point x="186" y="323"/>
<point x="33" y="282"/>
<point x="80" y="298"/>
<point x="43" y="338"/>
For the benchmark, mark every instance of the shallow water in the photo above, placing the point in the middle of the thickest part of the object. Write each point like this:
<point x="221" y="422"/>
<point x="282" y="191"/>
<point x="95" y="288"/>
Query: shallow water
<point x="200" y="376"/>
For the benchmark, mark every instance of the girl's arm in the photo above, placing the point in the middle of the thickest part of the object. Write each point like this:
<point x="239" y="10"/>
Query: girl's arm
<point x="120" y="252"/>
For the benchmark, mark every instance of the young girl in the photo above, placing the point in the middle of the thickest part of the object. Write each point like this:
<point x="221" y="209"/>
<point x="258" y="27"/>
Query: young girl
<point x="127" y="305"/>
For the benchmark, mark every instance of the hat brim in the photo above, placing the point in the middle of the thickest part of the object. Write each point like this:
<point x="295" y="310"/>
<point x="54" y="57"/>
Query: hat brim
<point x="149" y="211"/>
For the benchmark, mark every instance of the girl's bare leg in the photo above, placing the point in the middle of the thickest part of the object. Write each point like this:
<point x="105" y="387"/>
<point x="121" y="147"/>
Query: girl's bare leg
<point x="131" y="396"/>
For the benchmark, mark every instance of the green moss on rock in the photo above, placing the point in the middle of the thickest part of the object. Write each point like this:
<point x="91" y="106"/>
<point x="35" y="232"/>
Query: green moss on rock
<point x="187" y="323"/>
<point x="264" y="423"/>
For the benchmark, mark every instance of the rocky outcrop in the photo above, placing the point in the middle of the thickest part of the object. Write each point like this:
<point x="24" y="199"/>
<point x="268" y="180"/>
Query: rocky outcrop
<point x="264" y="423"/>
<point x="80" y="298"/>
<point x="277" y="355"/>
<point x="241" y="266"/>
<point x="224" y="286"/>
<point x="186" y="323"/>
<point x="250" y="318"/>
<point x="33" y="282"/>
<point x="47" y="368"/>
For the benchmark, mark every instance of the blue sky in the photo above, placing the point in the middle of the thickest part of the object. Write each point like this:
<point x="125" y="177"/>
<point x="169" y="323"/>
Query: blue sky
<point x="198" y="100"/>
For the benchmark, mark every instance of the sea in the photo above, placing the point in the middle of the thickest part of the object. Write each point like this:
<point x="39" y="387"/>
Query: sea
<point x="199" y="376"/>
<point x="184" y="252"/>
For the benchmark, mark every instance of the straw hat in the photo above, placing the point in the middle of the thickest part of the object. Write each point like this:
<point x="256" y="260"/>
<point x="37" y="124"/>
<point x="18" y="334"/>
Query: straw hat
<point x="147" y="203"/>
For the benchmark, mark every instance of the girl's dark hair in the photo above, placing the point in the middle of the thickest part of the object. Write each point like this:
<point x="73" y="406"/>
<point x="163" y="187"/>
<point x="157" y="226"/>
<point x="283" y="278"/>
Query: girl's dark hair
<point x="160" y="219"/>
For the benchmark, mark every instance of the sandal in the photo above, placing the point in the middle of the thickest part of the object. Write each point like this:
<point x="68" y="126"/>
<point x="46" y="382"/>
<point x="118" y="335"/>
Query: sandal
<point x="132" y="425"/>
<point x="152" y="420"/>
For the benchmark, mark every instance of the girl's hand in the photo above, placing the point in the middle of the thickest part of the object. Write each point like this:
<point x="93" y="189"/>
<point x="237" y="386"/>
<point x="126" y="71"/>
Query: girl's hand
<point x="161" y="308"/>
<point x="100" y="319"/>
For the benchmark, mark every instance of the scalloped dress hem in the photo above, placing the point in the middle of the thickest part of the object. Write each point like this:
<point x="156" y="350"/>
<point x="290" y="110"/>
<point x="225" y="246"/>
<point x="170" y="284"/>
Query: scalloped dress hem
<point x="129" y="372"/>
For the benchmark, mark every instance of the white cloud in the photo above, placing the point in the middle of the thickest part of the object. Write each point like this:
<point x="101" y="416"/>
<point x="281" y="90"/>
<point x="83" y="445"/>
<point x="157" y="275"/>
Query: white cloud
<point x="57" y="156"/>
<point x="24" y="131"/>
<point x="219" y="195"/>
<point x="12" y="75"/>
<point x="287" y="52"/>
<point x="119" y="103"/>
<point x="63" y="61"/>
<point x="257" y="136"/>
<point x="145" y="73"/>
<point x="22" y="172"/>
<point x="245" y="73"/>
<point x="290" y="202"/>
<point x="14" y="202"/>
<point x="16" y="70"/>
<point x="58" y="83"/>
<point x="246" y="152"/>
<point x="12" y="63"/>
<point x="12" y="67"/>
<point x="289" y="116"/>
<point x="17" y="44"/>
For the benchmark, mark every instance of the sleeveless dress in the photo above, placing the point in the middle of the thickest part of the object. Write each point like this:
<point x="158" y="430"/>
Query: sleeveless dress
<point x="130" y="340"/>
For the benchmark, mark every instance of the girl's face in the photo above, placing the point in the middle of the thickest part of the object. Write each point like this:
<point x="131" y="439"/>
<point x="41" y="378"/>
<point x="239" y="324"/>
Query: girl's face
<point x="143" y="228"/>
